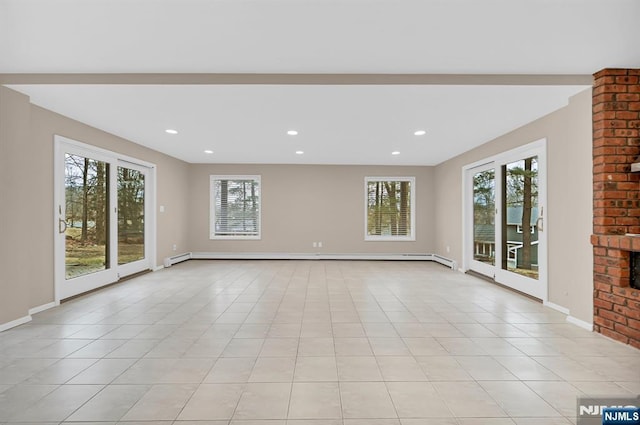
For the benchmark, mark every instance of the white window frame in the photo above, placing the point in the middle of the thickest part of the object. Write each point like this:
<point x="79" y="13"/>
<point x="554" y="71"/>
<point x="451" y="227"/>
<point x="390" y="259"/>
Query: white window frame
<point x="412" y="207"/>
<point x="212" y="207"/>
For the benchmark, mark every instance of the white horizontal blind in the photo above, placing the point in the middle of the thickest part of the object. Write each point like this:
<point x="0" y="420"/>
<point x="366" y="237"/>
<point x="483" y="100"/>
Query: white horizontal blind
<point x="236" y="206"/>
<point x="389" y="208"/>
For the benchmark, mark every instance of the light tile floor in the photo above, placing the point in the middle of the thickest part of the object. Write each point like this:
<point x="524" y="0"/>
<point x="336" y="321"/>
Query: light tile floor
<point x="306" y="343"/>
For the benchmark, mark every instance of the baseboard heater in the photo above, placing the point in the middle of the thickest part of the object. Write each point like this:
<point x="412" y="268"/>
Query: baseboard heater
<point x="444" y="261"/>
<point x="170" y="261"/>
<point x="314" y="256"/>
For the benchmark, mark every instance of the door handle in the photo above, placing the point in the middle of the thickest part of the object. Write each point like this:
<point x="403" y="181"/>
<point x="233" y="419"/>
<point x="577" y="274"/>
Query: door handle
<point x="62" y="229"/>
<point x="540" y="220"/>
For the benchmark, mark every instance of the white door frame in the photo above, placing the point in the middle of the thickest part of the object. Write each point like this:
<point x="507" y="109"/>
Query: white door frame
<point x="523" y="284"/>
<point x="85" y="283"/>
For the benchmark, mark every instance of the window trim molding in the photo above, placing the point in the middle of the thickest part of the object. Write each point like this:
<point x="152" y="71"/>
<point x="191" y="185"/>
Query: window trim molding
<point x="212" y="207"/>
<point x="412" y="207"/>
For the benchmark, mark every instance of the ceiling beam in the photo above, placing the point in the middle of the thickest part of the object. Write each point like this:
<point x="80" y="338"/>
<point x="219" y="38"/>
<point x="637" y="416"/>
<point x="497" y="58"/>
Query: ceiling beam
<point x="303" y="79"/>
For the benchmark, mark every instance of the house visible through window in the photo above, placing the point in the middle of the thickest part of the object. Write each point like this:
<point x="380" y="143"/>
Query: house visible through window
<point x="519" y="229"/>
<point x="235" y="207"/>
<point x="390" y="208"/>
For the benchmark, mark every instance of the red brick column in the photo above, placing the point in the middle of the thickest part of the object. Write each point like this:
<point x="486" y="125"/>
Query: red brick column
<point x="616" y="202"/>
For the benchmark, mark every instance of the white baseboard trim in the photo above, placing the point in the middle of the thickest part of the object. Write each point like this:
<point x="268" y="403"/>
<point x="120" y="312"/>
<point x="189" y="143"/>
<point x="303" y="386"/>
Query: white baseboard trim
<point x="303" y="256"/>
<point x="581" y="323"/>
<point x="570" y="319"/>
<point x="318" y="256"/>
<point x="157" y="268"/>
<point x="14" y="323"/>
<point x="556" y="307"/>
<point x="43" y="307"/>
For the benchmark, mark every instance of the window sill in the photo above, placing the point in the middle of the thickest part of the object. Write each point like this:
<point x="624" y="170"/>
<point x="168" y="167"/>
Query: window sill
<point x="389" y="239"/>
<point x="236" y="238"/>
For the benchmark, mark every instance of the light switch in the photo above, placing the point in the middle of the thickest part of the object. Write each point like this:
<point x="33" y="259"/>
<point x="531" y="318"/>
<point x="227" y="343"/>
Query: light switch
<point x="161" y="208"/>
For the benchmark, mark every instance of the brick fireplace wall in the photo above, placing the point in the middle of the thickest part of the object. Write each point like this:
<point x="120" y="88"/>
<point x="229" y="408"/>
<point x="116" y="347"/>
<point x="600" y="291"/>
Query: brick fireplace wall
<point x="616" y="202"/>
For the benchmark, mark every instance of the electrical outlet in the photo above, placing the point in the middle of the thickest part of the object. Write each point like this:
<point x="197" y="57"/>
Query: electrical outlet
<point x="175" y="247"/>
<point x="315" y="244"/>
<point x="161" y="208"/>
<point x="319" y="244"/>
<point x="448" y="248"/>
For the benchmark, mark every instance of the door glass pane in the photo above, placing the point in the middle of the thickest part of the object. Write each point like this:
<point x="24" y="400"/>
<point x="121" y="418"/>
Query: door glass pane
<point x="86" y="205"/>
<point x="520" y="216"/>
<point x="130" y="215"/>
<point x="484" y="207"/>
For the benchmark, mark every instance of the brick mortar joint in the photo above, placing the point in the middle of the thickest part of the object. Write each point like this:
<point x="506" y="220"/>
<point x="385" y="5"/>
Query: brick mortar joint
<point x="597" y="240"/>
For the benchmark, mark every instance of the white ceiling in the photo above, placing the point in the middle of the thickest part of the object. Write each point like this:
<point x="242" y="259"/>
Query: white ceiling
<point x="319" y="36"/>
<point x="337" y="124"/>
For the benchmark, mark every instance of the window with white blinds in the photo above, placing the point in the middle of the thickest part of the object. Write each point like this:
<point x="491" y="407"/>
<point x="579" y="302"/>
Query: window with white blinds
<point x="390" y="208"/>
<point x="235" y="207"/>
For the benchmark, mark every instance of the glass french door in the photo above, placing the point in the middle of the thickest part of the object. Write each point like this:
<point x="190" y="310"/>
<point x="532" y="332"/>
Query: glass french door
<point x="483" y="257"/>
<point x="506" y="237"/>
<point x="132" y="212"/>
<point x="101" y="226"/>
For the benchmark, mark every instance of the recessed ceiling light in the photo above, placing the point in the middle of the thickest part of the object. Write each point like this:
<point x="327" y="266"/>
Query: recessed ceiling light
<point x="299" y="152"/>
<point x="209" y="151"/>
<point x="171" y="131"/>
<point x="395" y="153"/>
<point x="420" y="133"/>
<point x="292" y="133"/>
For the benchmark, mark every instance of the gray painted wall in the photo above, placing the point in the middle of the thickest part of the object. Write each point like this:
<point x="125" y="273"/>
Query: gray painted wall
<point x="17" y="266"/>
<point x="306" y="203"/>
